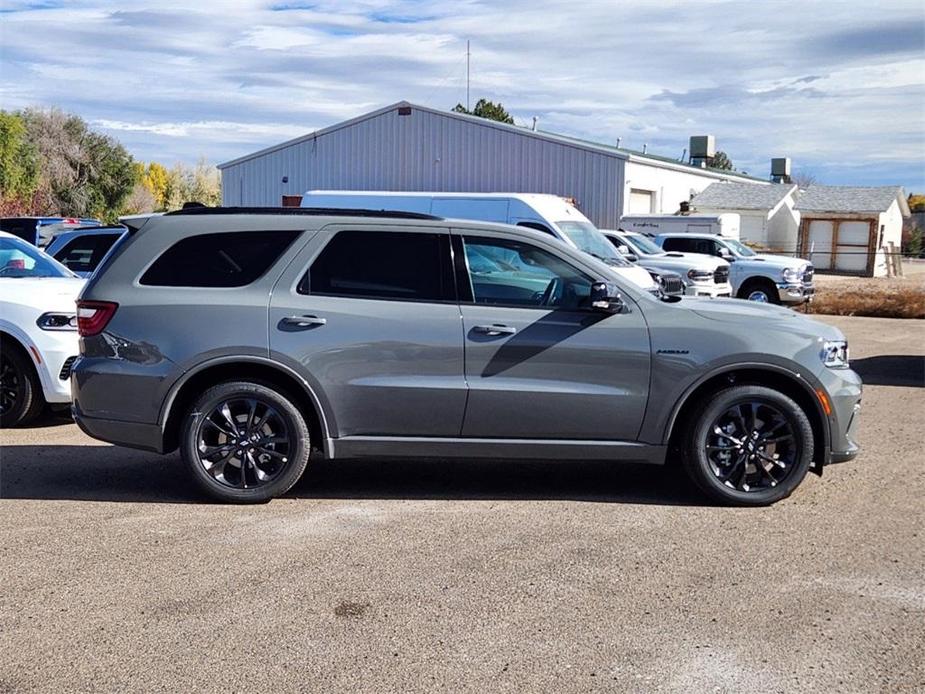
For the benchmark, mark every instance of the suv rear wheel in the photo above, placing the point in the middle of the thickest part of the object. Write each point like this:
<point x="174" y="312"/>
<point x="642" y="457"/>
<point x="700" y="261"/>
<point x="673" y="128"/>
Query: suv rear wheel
<point x="21" y="398"/>
<point x="750" y="446"/>
<point x="244" y="442"/>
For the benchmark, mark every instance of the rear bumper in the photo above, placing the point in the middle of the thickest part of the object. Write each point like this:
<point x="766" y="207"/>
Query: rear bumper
<point x="146" y="437"/>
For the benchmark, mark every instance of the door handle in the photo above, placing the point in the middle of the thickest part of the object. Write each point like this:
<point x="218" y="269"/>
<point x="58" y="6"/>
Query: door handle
<point x="494" y="330"/>
<point x="303" y="321"/>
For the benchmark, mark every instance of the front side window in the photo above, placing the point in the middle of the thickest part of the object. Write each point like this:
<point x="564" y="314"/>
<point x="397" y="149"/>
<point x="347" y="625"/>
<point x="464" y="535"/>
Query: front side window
<point x="740" y="248"/>
<point x="407" y="266"/>
<point x="84" y="253"/>
<point x="512" y="273"/>
<point x="227" y="259"/>
<point x="20" y="259"/>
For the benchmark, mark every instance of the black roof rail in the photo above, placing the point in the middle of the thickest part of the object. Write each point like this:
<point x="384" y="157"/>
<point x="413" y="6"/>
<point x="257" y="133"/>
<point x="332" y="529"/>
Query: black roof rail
<point x="312" y="211"/>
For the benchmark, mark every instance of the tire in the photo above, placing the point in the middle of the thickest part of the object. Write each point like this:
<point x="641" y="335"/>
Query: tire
<point x="266" y="438"/>
<point x="21" y="398"/>
<point x="750" y="446"/>
<point x="763" y="291"/>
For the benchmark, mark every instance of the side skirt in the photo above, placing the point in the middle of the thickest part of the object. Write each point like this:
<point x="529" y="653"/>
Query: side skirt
<point x="505" y="449"/>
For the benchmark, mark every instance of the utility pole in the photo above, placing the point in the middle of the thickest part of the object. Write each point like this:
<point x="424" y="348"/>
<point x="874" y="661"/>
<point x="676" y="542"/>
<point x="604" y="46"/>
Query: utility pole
<point x="467" y="75"/>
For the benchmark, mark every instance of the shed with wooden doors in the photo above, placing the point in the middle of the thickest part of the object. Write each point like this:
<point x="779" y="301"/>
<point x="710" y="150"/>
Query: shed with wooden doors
<point x="852" y="231"/>
<point x="766" y="214"/>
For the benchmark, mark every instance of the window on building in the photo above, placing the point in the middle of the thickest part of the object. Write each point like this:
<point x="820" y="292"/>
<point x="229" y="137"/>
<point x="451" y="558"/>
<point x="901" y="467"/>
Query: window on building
<point x="228" y="259"/>
<point x="407" y="266"/>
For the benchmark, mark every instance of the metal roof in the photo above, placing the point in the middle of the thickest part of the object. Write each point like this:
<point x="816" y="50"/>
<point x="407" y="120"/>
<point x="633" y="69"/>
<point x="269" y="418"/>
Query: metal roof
<point x="742" y="196"/>
<point x="619" y="152"/>
<point x="849" y="199"/>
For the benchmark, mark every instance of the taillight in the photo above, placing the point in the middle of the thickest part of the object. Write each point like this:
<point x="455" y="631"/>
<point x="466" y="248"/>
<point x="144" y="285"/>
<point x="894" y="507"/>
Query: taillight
<point x="93" y="316"/>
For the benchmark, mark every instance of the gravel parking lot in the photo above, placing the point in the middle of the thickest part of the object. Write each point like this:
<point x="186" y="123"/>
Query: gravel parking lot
<point x="508" y="577"/>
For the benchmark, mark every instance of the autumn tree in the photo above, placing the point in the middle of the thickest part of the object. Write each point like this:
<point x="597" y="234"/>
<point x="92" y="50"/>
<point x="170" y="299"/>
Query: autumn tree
<point x="19" y="176"/>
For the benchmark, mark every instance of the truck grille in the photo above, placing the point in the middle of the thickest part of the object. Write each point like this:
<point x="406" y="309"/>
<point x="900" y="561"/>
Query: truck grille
<point x="721" y="275"/>
<point x="672" y="285"/>
<point x="66" y="368"/>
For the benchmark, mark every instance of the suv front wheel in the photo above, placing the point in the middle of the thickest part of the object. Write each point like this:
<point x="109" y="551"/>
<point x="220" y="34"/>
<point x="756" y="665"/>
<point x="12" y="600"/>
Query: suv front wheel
<point x="750" y="446"/>
<point x="244" y="442"/>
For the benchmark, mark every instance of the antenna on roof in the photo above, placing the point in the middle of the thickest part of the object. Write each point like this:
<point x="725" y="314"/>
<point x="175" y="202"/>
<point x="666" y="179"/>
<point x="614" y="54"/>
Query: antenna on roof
<point x="468" y="54"/>
<point x="535" y="119"/>
<point x="619" y="140"/>
<point x="645" y="147"/>
<point x="683" y="154"/>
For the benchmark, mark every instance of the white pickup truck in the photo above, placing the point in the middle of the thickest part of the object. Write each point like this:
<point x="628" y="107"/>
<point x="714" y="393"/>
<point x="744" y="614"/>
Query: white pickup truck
<point x="775" y="279"/>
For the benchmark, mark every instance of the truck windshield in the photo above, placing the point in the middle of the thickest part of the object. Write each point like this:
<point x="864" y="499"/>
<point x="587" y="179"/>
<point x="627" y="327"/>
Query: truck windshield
<point x="644" y="245"/>
<point x="21" y="259"/>
<point x="740" y="248"/>
<point x="589" y="239"/>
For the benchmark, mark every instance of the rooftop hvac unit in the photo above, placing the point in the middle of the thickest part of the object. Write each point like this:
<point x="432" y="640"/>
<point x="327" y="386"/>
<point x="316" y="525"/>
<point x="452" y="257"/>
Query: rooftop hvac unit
<point x="780" y="169"/>
<point x="703" y="149"/>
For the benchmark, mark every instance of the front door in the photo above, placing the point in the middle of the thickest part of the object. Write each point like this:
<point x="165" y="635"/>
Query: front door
<point x="540" y="363"/>
<point x="369" y="317"/>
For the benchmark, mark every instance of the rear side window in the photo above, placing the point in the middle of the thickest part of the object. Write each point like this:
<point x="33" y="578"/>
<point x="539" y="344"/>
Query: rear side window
<point x="383" y="265"/>
<point x="84" y="253"/>
<point x="229" y="259"/>
<point x="680" y="245"/>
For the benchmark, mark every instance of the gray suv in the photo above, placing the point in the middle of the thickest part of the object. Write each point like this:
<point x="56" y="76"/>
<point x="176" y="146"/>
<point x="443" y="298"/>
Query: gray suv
<point x="249" y="338"/>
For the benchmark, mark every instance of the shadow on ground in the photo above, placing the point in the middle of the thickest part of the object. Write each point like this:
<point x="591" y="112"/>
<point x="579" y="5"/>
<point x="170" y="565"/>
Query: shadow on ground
<point x="107" y="473"/>
<point x="891" y="370"/>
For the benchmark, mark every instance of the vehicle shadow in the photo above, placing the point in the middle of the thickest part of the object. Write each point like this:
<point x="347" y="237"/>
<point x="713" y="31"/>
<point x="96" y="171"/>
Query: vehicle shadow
<point x="891" y="370"/>
<point x="108" y="473"/>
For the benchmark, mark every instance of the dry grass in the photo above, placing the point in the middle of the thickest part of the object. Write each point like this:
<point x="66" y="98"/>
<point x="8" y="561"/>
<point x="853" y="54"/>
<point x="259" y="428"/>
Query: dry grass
<point x="868" y="296"/>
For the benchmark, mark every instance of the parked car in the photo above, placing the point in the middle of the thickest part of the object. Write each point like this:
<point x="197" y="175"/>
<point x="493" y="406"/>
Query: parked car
<point x="775" y="279"/>
<point x="39" y="230"/>
<point x="83" y="249"/>
<point x="245" y="339"/>
<point x="38" y="330"/>
<point x="701" y="275"/>
<point x="548" y="214"/>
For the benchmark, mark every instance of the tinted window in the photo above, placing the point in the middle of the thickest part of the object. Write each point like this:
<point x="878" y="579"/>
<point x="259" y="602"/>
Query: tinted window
<point x="383" y="265"/>
<point x="84" y="253"/>
<point x="231" y="259"/>
<point x="512" y="273"/>
<point x="705" y="246"/>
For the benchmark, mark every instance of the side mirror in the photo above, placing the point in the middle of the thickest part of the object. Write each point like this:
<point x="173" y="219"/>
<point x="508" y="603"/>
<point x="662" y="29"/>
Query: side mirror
<point x="605" y="298"/>
<point x="623" y="249"/>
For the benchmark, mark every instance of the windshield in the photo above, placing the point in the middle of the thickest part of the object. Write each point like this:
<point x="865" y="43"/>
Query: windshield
<point x="21" y="259"/>
<point x="740" y="248"/>
<point x="644" y="245"/>
<point x="589" y="239"/>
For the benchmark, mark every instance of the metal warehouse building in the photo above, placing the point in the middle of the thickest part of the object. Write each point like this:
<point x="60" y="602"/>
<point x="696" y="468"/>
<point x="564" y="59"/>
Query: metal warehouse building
<point x="415" y="148"/>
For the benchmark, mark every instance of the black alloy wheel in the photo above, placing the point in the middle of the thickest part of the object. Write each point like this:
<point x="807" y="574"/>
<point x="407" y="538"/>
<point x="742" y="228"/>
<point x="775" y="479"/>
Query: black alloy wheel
<point x="750" y="446"/>
<point x="245" y="442"/>
<point x="21" y="398"/>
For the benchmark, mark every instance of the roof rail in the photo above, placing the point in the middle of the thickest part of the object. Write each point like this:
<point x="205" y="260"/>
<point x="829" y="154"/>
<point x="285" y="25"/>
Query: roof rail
<point x="314" y="211"/>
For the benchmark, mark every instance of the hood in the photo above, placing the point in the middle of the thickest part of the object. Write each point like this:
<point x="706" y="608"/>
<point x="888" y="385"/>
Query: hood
<point x="42" y="293"/>
<point x="746" y="312"/>
<point x="776" y="261"/>
<point x="637" y="275"/>
<point x="682" y="262"/>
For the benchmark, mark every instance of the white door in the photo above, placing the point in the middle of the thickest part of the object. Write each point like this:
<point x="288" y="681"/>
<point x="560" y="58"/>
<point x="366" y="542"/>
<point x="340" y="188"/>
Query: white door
<point x="820" y="244"/>
<point x="852" y="250"/>
<point x="641" y="201"/>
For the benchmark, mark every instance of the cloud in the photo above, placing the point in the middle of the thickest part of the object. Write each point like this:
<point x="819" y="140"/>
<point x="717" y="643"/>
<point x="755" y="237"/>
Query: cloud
<point x="223" y="77"/>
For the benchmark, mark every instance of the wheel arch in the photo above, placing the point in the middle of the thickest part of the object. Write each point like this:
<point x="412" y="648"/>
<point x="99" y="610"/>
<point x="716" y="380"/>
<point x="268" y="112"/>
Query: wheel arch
<point x="791" y="384"/>
<point x="193" y="383"/>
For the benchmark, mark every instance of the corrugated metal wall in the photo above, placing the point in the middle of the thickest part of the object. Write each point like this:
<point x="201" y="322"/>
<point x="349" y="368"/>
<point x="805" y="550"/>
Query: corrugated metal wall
<point x="426" y="151"/>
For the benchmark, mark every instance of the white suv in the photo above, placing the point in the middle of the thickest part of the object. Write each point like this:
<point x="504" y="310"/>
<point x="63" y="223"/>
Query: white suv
<point x="38" y="330"/>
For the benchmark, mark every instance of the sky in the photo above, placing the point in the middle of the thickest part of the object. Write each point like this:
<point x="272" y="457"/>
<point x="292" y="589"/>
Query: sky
<point x="838" y="86"/>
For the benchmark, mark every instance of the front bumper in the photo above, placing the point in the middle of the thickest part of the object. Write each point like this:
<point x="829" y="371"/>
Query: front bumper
<point x="708" y="289"/>
<point x="795" y="292"/>
<point x="844" y="390"/>
<point x="56" y="349"/>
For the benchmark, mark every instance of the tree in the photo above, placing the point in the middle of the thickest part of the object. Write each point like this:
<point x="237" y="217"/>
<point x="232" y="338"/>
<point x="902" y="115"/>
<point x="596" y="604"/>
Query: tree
<point x="804" y="179"/>
<point x="722" y="161"/>
<point x="154" y="180"/>
<point x="19" y="175"/>
<point x="916" y="202"/>
<point x="201" y="183"/>
<point x="487" y="109"/>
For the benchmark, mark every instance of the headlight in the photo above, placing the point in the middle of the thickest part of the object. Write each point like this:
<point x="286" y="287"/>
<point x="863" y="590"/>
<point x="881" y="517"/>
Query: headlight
<point x="700" y="275"/>
<point x="792" y="274"/>
<point x="835" y="354"/>
<point x="57" y="321"/>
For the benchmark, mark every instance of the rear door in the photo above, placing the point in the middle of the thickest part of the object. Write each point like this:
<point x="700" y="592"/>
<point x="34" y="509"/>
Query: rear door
<point x="369" y="317"/>
<point x="539" y="363"/>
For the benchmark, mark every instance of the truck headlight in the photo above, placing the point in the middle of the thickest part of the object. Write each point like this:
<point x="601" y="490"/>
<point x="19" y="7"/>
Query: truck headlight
<point x="792" y="274"/>
<point x="57" y="321"/>
<point x="700" y="275"/>
<point x="835" y="354"/>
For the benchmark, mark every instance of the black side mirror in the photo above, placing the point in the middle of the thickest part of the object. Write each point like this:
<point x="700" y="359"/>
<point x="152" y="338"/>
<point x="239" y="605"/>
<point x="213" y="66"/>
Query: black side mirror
<point x="605" y="298"/>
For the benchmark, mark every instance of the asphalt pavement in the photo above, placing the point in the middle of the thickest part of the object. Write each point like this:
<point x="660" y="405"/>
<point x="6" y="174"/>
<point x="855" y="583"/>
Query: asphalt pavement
<point x="505" y="577"/>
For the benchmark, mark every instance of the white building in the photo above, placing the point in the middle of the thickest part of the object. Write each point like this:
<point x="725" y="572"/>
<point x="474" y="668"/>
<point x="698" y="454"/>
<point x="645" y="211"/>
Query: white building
<point x="850" y="230"/>
<point x="767" y="215"/>
<point x="415" y="148"/>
